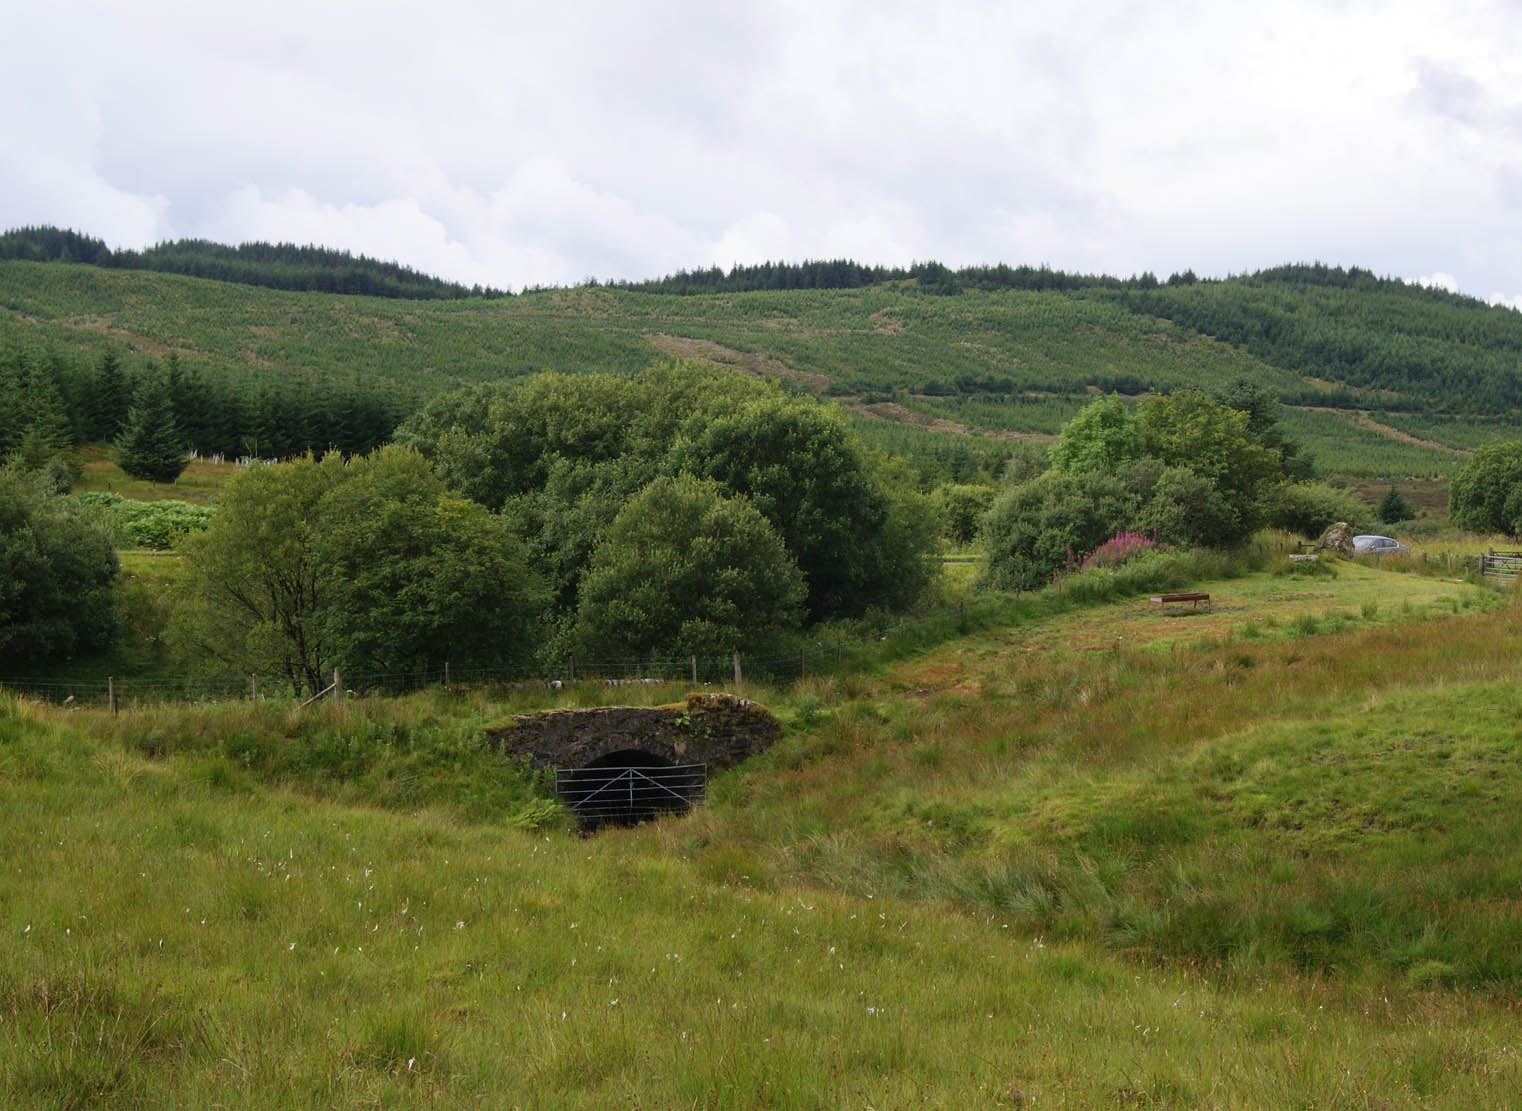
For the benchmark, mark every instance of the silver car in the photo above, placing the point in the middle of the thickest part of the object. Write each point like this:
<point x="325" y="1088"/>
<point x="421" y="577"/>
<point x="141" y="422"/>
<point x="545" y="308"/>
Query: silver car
<point x="1378" y="546"/>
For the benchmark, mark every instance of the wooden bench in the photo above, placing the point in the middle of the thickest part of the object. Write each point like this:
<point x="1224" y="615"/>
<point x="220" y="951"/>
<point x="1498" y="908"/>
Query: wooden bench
<point x="1163" y="599"/>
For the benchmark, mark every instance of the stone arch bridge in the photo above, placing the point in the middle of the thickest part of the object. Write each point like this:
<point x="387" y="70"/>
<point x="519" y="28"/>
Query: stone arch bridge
<point x="656" y="757"/>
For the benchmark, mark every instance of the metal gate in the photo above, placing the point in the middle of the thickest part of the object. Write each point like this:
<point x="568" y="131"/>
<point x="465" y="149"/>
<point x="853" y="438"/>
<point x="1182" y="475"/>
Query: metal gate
<point x="1504" y="565"/>
<point x="625" y="795"/>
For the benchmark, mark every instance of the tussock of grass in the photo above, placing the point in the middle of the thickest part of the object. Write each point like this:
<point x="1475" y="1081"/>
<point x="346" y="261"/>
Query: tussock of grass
<point x="1014" y="869"/>
<point x="1126" y="798"/>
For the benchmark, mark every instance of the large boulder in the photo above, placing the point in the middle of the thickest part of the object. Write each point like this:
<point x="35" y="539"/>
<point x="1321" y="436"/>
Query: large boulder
<point x="1337" y="538"/>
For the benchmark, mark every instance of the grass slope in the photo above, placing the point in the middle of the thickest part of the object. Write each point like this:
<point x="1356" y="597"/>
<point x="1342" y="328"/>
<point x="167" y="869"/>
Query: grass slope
<point x="1203" y="868"/>
<point x="995" y="362"/>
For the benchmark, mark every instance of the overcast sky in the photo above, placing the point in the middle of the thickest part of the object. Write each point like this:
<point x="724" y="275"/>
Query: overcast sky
<point x="510" y="144"/>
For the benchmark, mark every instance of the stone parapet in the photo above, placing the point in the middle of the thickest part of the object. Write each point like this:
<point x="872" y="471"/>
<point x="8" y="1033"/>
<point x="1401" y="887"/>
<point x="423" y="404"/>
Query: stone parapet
<point x="719" y="730"/>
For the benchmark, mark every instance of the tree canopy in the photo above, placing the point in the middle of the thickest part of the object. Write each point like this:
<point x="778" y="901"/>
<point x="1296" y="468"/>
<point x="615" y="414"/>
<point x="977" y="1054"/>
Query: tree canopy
<point x="561" y="455"/>
<point x="369" y="564"/>
<point x="798" y="464"/>
<point x="1189" y="428"/>
<point x="685" y="569"/>
<point x="151" y="446"/>
<point x="58" y="573"/>
<point x="1486" y="494"/>
<point x="1101" y="437"/>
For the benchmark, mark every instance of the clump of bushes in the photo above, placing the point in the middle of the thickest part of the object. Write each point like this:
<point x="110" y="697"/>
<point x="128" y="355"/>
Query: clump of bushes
<point x="1121" y="548"/>
<point x="147" y="524"/>
<point x="1310" y="508"/>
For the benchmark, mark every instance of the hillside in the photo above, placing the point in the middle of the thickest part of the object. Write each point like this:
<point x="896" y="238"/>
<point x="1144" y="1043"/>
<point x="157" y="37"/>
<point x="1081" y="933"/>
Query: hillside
<point x="1384" y="378"/>
<point x="1032" y="865"/>
<point x="275" y="265"/>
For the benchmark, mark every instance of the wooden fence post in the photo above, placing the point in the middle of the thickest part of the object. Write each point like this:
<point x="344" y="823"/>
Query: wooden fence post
<point x="111" y="693"/>
<point x="737" y="673"/>
<point x="573" y="670"/>
<point x="253" y="688"/>
<point x="446" y="674"/>
<point x="694" y="671"/>
<point x="338" y="687"/>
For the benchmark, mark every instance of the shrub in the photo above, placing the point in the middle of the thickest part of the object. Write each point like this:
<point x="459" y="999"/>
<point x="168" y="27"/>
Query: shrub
<point x="57" y="575"/>
<point x="686" y="570"/>
<point x="1121" y="548"/>
<point x="1034" y="529"/>
<point x="157" y="524"/>
<point x="1486" y="495"/>
<point x="1309" y="508"/>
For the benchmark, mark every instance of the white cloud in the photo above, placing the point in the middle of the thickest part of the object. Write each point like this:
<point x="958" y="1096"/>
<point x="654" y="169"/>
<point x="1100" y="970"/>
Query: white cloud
<point x="1439" y="280"/>
<point x="756" y="238"/>
<point x="510" y="144"/>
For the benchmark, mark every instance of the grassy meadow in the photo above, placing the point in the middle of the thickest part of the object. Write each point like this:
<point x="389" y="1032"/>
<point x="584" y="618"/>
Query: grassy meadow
<point x="1261" y="856"/>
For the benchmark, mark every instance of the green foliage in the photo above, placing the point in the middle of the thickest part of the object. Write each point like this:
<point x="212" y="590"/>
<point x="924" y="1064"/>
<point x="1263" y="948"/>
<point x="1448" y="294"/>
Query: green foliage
<point x="1263" y="421"/>
<point x="1310" y="508"/>
<point x="1394" y="507"/>
<point x="1101" y="437"/>
<point x="1185" y="508"/>
<point x="1188" y="428"/>
<point x="276" y="265"/>
<point x="685" y="569"/>
<point x="368" y="565"/>
<point x="413" y="575"/>
<point x="1344" y="443"/>
<point x="1039" y="526"/>
<point x="256" y="577"/>
<point x="1429" y="347"/>
<point x="960" y="507"/>
<point x="562" y="454"/>
<point x="36" y="433"/>
<point x="1012" y="351"/>
<point x="142" y="524"/>
<point x="495" y="442"/>
<point x="798" y="464"/>
<point x="57" y="575"/>
<point x="151" y="446"/>
<point x="1184" y="470"/>
<point x="1486" y="494"/>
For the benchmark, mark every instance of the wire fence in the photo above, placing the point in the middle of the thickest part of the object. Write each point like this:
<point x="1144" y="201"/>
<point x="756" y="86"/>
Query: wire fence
<point x="874" y="636"/>
<point x="878" y="636"/>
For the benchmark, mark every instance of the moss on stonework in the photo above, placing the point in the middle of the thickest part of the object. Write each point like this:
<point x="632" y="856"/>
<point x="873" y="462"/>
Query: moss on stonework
<point x="715" y="729"/>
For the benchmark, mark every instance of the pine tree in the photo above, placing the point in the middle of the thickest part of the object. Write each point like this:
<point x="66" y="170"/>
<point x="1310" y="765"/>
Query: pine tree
<point x="1394" y="507"/>
<point x="151" y="446"/>
<point x="108" y="403"/>
<point x="44" y="421"/>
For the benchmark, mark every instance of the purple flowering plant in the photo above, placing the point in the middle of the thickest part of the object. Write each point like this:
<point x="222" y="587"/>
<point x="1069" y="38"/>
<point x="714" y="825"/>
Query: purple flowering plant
<point x="1120" y="549"/>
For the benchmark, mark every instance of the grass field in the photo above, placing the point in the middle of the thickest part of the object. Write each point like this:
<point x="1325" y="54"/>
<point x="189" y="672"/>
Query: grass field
<point x="1103" y="858"/>
<point x="198" y="484"/>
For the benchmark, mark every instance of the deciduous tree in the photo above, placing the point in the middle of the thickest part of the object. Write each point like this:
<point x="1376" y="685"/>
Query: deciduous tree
<point x="370" y="565"/>
<point x="685" y="569"/>
<point x="1486" y="493"/>
<point x="57" y="575"/>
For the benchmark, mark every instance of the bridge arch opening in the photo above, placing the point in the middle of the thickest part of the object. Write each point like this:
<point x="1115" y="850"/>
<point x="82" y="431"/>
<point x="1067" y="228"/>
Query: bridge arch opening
<point x="629" y="786"/>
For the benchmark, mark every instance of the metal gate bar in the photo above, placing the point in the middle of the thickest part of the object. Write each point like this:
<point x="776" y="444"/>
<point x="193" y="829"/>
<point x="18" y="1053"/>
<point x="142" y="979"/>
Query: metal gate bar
<point x="628" y="793"/>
